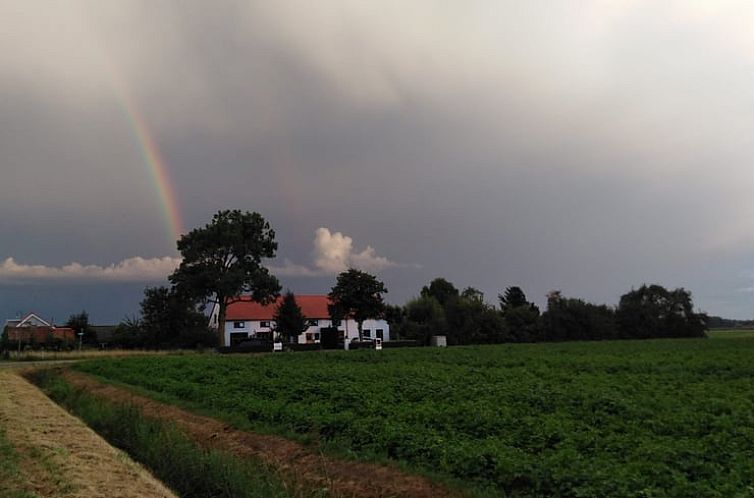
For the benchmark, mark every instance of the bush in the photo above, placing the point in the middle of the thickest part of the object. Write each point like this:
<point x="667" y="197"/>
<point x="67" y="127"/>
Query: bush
<point x="361" y="345"/>
<point x="401" y="344"/>
<point x="302" y="347"/>
<point x="247" y="347"/>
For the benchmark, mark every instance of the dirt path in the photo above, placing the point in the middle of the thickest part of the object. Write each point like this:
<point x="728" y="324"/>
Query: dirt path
<point x="60" y="456"/>
<point x="303" y="465"/>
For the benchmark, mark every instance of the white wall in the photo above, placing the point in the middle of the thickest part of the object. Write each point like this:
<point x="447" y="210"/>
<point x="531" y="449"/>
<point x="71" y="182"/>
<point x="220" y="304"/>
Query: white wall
<point x="251" y="327"/>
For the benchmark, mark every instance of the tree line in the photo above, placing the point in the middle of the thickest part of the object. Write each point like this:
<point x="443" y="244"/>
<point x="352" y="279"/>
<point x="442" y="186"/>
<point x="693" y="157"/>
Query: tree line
<point x="225" y="259"/>
<point x="651" y="311"/>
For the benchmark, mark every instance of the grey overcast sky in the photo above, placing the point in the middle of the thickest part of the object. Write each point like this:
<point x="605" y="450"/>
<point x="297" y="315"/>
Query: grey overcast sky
<point x="586" y="146"/>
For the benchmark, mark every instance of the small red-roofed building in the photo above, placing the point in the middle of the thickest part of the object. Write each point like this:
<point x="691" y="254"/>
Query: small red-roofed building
<point x="246" y="319"/>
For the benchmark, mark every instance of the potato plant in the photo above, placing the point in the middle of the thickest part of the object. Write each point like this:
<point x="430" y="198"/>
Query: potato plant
<point x="622" y="419"/>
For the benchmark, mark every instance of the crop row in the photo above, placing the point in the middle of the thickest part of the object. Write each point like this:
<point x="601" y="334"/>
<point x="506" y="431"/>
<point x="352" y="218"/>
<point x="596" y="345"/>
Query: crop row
<point x="655" y="418"/>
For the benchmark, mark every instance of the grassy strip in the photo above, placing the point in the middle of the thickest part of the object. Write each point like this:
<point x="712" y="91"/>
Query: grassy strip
<point x="42" y="355"/>
<point x="11" y="480"/>
<point x="191" y="471"/>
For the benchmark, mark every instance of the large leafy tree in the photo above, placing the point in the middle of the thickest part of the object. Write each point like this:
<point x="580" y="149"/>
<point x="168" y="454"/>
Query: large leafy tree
<point x="424" y="318"/>
<point x="654" y="311"/>
<point x="170" y="319"/>
<point x="357" y="294"/>
<point x="395" y="316"/>
<point x="442" y="290"/>
<point x="223" y="260"/>
<point x="289" y="319"/>
<point x="569" y="319"/>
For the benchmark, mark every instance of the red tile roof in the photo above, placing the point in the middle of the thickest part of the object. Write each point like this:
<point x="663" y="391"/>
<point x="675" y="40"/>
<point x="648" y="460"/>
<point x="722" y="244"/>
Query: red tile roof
<point x="313" y="307"/>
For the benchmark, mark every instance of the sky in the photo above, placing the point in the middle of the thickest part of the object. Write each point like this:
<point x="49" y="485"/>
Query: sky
<point x="586" y="146"/>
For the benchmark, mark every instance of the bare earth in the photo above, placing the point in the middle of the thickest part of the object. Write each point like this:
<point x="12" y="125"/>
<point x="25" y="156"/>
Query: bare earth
<point x="306" y="468"/>
<point x="60" y="455"/>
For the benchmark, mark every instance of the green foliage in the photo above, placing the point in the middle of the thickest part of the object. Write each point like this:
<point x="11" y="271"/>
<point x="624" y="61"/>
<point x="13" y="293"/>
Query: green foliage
<point x="664" y="418"/>
<point x="289" y="319"/>
<point x="440" y="289"/>
<point x="129" y="334"/>
<point x="80" y="323"/>
<point x="171" y="455"/>
<point x="653" y="311"/>
<point x="424" y="318"/>
<point x="170" y="320"/>
<point x="395" y="316"/>
<point x="513" y="297"/>
<point x="357" y="294"/>
<point x="472" y="321"/>
<point x="568" y="319"/>
<point x="223" y="259"/>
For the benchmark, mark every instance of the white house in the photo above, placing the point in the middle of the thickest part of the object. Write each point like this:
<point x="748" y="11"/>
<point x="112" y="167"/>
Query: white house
<point x="247" y="319"/>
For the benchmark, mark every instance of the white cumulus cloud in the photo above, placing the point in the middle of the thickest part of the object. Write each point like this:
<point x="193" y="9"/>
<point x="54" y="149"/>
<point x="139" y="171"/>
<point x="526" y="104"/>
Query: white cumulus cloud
<point x="134" y="269"/>
<point x="334" y="253"/>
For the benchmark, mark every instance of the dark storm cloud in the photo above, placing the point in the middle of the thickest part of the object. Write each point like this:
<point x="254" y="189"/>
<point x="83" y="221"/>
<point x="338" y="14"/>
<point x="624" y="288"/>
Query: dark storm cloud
<point x="493" y="143"/>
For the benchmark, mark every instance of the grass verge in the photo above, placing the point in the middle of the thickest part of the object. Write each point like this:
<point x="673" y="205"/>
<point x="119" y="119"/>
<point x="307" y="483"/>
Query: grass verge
<point x="11" y="479"/>
<point x="184" y="466"/>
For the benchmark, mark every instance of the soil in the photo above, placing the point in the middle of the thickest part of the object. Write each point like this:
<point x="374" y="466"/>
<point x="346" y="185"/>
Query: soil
<point x="303" y="466"/>
<point x="60" y="456"/>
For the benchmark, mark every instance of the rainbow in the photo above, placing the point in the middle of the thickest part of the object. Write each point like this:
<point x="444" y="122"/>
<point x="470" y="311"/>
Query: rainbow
<point x="171" y="211"/>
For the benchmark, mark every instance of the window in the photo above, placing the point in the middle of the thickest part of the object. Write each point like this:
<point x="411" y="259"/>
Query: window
<point x="313" y="323"/>
<point x="309" y="338"/>
<point x="239" y="325"/>
<point x="264" y="324"/>
<point x="379" y="333"/>
<point x="367" y="333"/>
<point x="316" y="336"/>
<point x="336" y="323"/>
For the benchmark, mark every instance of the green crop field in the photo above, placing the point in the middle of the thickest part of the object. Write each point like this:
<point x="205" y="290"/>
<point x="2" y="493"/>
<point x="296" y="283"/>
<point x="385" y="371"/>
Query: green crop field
<point x="620" y="419"/>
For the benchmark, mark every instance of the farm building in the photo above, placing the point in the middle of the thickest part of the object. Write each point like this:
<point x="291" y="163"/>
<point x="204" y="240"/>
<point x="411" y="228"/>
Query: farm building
<point x="248" y="319"/>
<point x="33" y="329"/>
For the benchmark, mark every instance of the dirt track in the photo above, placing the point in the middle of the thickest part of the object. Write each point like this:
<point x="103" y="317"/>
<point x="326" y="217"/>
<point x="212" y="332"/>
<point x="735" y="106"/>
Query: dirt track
<point x="304" y="466"/>
<point x="60" y="455"/>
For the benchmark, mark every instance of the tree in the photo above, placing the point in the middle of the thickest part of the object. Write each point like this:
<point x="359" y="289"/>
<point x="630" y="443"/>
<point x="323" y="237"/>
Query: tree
<point x="223" y="260"/>
<point x="442" y="290"/>
<point x="170" y="319"/>
<point x="289" y="319"/>
<point x="395" y="316"/>
<point x="357" y="294"/>
<point x="653" y="311"/>
<point x="472" y="321"/>
<point x="521" y="317"/>
<point x="514" y="297"/>
<point x="568" y="319"/>
<point x="80" y="324"/>
<point x="129" y="334"/>
<point x="424" y="318"/>
<point x="473" y="294"/>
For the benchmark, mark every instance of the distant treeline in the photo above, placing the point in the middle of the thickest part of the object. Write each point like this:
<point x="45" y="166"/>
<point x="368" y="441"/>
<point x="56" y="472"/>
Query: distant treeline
<point x="716" y="322"/>
<point x="169" y="320"/>
<point x="650" y="311"/>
